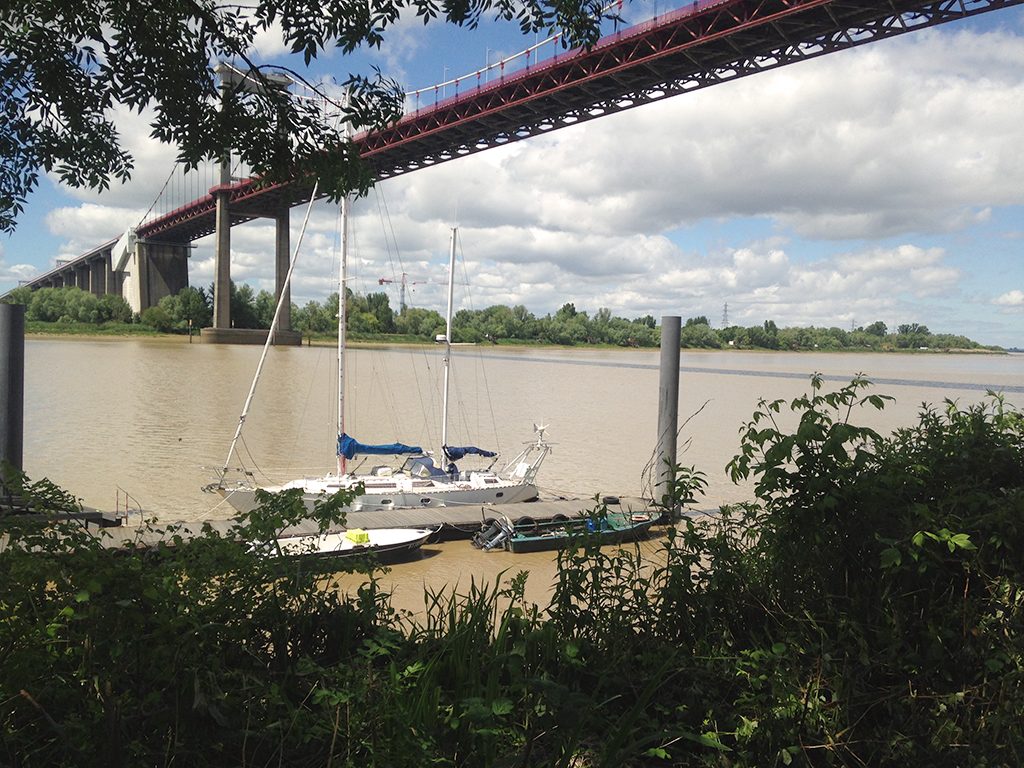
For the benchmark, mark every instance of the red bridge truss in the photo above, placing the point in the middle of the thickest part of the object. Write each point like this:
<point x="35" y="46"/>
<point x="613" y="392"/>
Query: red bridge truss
<point x="703" y="44"/>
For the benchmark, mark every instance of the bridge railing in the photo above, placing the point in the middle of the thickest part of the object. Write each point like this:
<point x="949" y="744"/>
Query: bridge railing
<point x="531" y="60"/>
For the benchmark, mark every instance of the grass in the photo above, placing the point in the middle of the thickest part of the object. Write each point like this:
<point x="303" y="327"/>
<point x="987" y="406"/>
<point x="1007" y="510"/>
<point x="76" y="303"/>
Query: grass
<point x="38" y="328"/>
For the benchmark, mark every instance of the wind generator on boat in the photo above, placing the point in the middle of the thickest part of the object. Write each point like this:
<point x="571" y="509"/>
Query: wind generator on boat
<point x="419" y="483"/>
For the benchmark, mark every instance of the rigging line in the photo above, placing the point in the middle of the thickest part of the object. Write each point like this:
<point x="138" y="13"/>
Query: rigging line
<point x="270" y="333"/>
<point x="158" y="194"/>
<point x="256" y="467"/>
<point x="427" y="393"/>
<point x="313" y="378"/>
<point x="426" y="410"/>
<point x="388" y="228"/>
<point x="333" y="394"/>
<point x="218" y="505"/>
<point x="387" y="224"/>
<point x="380" y="384"/>
<point x="391" y="226"/>
<point x="456" y="388"/>
<point x="482" y="367"/>
<point x="479" y="370"/>
<point x="353" y="362"/>
<point x="380" y="377"/>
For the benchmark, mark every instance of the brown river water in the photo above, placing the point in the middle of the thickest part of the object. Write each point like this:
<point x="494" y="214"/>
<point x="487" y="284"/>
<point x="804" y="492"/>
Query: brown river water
<point x="155" y="418"/>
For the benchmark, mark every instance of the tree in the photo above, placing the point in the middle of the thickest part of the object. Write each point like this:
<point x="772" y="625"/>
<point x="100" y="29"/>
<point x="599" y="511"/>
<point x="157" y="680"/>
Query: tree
<point x="20" y="295"/>
<point x="699" y="320"/>
<point x="263" y="307"/>
<point x="417" y="321"/>
<point x="313" y="318"/>
<point x="113" y="308"/>
<point x="877" y="328"/>
<point x="243" y="307"/>
<point x="525" y="322"/>
<point x="699" y="335"/>
<point x="566" y="312"/>
<point x="65" y="64"/>
<point x="47" y="305"/>
<point x="193" y="306"/>
<point x="647" y="320"/>
<point x="158" y="318"/>
<point x="378" y="305"/>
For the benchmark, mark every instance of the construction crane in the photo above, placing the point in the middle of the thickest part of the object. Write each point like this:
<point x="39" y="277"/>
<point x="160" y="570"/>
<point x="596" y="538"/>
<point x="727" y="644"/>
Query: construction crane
<point x="402" y="288"/>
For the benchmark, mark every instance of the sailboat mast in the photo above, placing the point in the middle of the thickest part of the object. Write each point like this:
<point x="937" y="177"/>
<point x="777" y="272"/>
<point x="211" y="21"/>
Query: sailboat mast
<point x="342" y="277"/>
<point x="448" y="342"/>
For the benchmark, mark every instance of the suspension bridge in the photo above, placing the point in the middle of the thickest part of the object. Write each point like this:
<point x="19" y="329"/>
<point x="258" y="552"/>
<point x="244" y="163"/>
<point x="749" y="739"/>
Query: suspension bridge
<point x="539" y="90"/>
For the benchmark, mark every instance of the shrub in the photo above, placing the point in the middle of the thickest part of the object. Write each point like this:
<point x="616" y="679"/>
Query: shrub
<point x="865" y="608"/>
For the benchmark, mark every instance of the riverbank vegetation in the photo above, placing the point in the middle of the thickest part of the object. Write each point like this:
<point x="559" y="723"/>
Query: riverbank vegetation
<point x="370" y="318"/>
<point x="864" y="608"/>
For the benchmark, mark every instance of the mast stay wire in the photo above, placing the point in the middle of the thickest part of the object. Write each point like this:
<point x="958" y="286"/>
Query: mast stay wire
<point x="270" y="334"/>
<point x="387" y="225"/>
<point x="479" y="358"/>
<point x="425" y="401"/>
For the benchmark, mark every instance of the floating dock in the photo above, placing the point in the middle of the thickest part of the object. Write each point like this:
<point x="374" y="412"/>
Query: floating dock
<point x="451" y="522"/>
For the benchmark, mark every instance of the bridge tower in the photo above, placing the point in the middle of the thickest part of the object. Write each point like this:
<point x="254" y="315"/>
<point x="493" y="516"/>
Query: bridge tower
<point x="222" y="332"/>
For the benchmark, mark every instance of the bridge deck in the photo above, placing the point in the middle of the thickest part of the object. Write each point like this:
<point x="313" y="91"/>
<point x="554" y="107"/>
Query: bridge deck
<point x="702" y="44"/>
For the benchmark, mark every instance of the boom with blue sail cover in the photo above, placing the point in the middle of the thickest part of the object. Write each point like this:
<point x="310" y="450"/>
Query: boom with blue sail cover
<point x="454" y="453"/>
<point x="349" y="447"/>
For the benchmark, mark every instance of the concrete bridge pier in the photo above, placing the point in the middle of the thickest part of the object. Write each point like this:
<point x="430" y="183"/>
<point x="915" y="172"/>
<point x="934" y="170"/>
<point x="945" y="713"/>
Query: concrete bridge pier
<point x="111" y="280"/>
<point x="97" y="282"/>
<point x="156" y="270"/>
<point x="222" y="260"/>
<point x="282" y="258"/>
<point x="222" y="332"/>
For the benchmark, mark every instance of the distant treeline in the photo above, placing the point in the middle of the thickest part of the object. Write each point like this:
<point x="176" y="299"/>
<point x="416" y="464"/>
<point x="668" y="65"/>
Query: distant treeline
<point x="371" y="316"/>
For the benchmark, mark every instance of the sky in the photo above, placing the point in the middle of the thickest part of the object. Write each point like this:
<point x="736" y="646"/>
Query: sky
<point x="881" y="183"/>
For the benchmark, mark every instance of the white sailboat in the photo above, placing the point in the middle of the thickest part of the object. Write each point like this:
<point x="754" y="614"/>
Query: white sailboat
<point x="419" y="483"/>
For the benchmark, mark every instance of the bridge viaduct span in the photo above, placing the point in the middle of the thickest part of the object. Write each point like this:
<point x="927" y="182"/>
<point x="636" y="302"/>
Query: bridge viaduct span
<point x="701" y="44"/>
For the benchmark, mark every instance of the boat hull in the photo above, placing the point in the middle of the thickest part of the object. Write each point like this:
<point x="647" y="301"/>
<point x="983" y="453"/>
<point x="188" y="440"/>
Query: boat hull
<point x="558" y="534"/>
<point x="519" y="544"/>
<point x="422" y="508"/>
<point x="385" y="545"/>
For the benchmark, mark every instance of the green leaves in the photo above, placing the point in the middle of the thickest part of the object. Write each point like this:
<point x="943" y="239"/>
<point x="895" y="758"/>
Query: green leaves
<point x="952" y="541"/>
<point x="65" y="66"/>
<point x="870" y="616"/>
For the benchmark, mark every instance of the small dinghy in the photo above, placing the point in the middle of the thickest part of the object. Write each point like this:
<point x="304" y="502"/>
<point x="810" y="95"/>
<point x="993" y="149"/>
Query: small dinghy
<point x="386" y="544"/>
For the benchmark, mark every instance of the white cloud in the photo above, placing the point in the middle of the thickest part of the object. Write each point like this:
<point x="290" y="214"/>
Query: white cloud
<point x="13" y="273"/>
<point x="89" y="225"/>
<point x="888" y="260"/>
<point x="887" y="147"/>
<point x="837" y="149"/>
<point x="269" y="43"/>
<point x="1012" y="300"/>
<point x="153" y="163"/>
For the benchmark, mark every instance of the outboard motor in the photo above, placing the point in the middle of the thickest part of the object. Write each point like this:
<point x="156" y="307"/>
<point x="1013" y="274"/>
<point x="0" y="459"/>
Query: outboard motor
<point x="491" y="536"/>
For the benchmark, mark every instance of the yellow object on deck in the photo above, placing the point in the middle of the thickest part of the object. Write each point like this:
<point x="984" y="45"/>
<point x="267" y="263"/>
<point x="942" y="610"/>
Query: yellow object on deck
<point x="357" y="536"/>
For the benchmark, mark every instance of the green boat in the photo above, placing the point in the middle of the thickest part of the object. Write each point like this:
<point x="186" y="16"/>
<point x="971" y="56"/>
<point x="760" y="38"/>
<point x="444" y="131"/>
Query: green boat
<point x="528" y="535"/>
